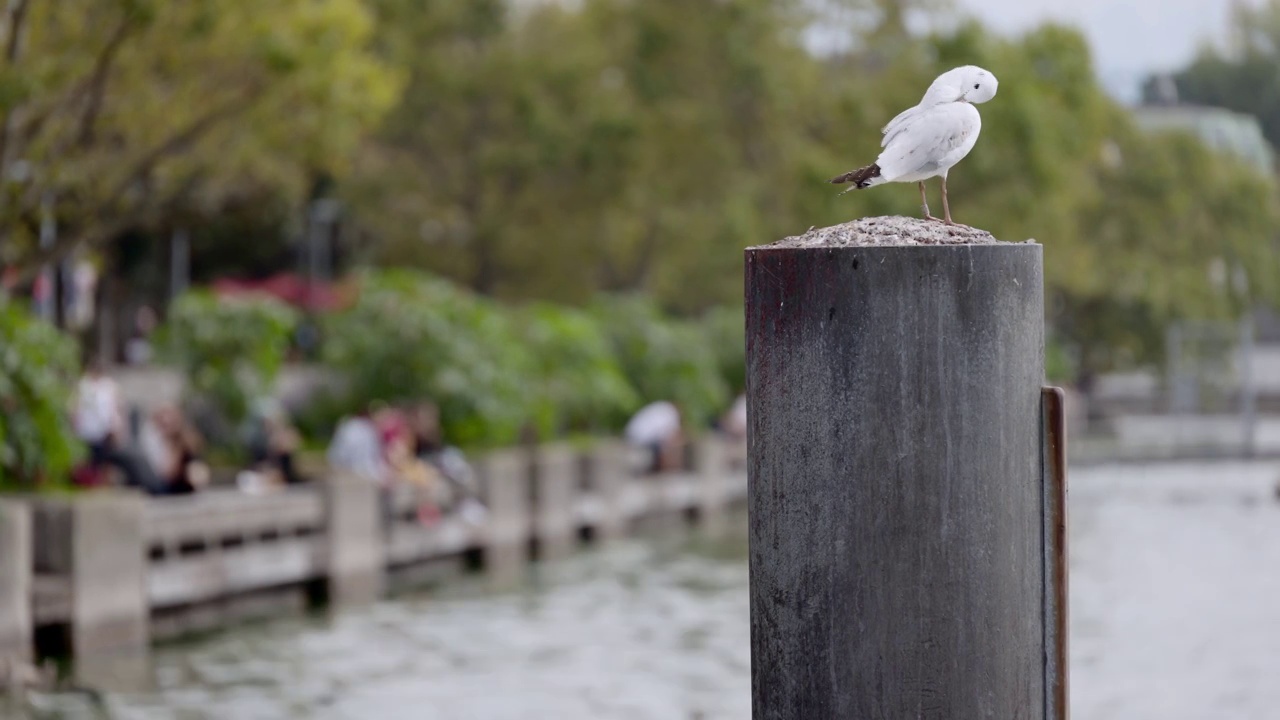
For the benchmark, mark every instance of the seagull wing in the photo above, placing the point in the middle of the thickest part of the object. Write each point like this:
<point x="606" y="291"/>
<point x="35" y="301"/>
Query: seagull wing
<point x="929" y="141"/>
<point x="896" y="125"/>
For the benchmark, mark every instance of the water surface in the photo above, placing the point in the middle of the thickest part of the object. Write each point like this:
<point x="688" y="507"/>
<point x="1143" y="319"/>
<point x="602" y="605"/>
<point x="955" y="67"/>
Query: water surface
<point x="1175" y="592"/>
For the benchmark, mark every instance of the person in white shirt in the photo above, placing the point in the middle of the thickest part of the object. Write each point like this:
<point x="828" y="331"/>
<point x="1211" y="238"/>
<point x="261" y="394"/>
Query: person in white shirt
<point x="735" y="421"/>
<point x="657" y="427"/>
<point x="357" y="449"/>
<point x="97" y="419"/>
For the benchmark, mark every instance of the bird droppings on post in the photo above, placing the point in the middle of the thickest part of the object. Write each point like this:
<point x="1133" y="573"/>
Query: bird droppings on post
<point x="887" y="231"/>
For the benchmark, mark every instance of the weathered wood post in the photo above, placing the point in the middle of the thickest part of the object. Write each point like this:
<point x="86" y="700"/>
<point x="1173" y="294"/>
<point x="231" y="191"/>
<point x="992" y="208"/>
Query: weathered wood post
<point x="16" y="563"/>
<point x="897" y="498"/>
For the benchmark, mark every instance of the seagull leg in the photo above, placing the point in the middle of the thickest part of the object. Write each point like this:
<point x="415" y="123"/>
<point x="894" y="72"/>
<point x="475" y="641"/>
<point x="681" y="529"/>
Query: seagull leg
<point x="946" y="208"/>
<point x="924" y="202"/>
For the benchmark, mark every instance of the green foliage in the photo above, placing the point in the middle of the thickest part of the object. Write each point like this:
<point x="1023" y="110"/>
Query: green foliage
<point x="494" y="369"/>
<point x="229" y="350"/>
<point x="558" y="151"/>
<point x="579" y="384"/>
<point x="1058" y="367"/>
<point x="411" y="337"/>
<point x="725" y="331"/>
<point x="1130" y="221"/>
<point x="608" y="137"/>
<point x="38" y="370"/>
<point x="318" y="418"/>
<point x="136" y="115"/>
<point x="1243" y="76"/>
<point x="664" y="359"/>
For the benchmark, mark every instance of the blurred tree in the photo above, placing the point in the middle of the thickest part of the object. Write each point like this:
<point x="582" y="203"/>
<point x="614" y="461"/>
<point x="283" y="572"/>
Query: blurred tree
<point x="230" y="351"/>
<point x="439" y="181"/>
<point x="1243" y="75"/>
<point x="555" y="151"/>
<point x="38" y="368"/>
<point x="664" y="359"/>
<point x="118" y="111"/>
<point x="600" y="139"/>
<point x="1130" y="221"/>
<point x="412" y="337"/>
<point x="579" y="385"/>
<point x="724" y="328"/>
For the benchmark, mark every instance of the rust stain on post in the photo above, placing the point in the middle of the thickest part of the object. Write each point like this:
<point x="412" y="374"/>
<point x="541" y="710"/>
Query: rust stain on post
<point x="1055" y="519"/>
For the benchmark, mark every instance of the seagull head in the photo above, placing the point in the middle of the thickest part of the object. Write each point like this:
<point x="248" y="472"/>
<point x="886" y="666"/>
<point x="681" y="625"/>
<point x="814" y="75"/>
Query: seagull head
<point x="968" y="83"/>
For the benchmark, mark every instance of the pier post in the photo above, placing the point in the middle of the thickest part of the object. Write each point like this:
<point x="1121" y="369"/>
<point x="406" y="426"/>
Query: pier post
<point x="355" y="540"/>
<point x="16" y="562"/>
<point x="897" y="489"/>
<point x="712" y="465"/>
<point x="110" y="609"/>
<point x="609" y="477"/>
<point x="505" y="476"/>
<point x="555" y="487"/>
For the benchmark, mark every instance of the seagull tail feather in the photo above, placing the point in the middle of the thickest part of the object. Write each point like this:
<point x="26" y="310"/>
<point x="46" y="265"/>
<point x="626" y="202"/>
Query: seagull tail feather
<point x="863" y="177"/>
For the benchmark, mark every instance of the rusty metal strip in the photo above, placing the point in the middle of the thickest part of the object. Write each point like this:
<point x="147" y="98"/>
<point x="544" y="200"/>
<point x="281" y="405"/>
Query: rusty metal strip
<point x="1053" y="403"/>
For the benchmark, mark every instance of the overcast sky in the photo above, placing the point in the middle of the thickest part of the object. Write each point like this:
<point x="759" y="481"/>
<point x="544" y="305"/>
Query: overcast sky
<point x="1129" y="37"/>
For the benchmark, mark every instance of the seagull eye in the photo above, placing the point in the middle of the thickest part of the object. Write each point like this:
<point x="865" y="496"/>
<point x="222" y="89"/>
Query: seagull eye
<point x="975" y="86"/>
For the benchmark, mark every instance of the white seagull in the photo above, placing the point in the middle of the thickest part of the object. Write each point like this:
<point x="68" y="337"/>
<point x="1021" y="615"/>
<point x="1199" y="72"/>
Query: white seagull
<point x="929" y="139"/>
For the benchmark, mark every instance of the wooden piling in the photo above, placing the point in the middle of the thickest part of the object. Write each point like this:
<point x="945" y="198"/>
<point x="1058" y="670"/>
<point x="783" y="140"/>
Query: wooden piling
<point x="16" y="563"/>
<point x="896" y="483"/>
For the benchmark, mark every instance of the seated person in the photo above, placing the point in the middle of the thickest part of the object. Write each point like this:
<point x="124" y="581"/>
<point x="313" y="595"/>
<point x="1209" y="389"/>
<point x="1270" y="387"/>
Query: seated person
<point x="274" y="444"/>
<point x="420" y="477"/>
<point x="173" y="448"/>
<point x="657" y="428"/>
<point x="459" y="490"/>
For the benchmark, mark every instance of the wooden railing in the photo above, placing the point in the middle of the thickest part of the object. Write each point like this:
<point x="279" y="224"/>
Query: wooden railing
<point x="103" y="564"/>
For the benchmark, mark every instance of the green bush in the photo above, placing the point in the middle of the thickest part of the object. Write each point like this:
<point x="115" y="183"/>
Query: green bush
<point x="493" y="369"/>
<point x="579" y="385"/>
<point x="38" y="371"/>
<point x="1058" y="365"/>
<point x="663" y="358"/>
<point x="725" y="330"/>
<point x="229" y="349"/>
<point x="411" y="336"/>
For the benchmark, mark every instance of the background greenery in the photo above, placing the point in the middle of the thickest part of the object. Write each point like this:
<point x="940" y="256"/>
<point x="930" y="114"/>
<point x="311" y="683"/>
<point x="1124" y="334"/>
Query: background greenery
<point x="230" y="351"/>
<point x="494" y="368"/>
<point x="38" y="372"/>
<point x="558" y="194"/>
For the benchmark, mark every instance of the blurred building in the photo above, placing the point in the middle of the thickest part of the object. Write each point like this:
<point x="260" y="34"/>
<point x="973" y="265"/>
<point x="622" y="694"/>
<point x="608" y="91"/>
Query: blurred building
<point x="1223" y="130"/>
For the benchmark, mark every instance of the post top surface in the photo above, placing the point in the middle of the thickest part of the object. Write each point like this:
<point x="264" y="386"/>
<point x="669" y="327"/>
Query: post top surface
<point x="886" y="231"/>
